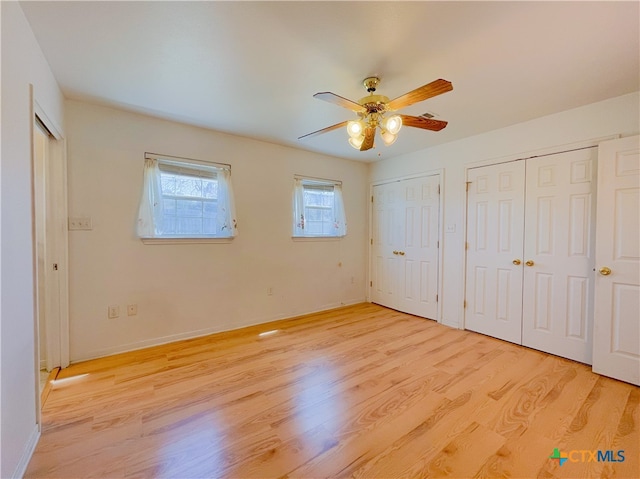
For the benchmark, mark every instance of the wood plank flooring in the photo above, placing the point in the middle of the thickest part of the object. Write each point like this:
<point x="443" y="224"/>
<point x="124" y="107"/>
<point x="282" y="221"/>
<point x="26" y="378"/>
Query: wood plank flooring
<point x="361" y="391"/>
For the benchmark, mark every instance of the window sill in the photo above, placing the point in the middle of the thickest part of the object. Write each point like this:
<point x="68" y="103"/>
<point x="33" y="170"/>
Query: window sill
<point x="316" y="238"/>
<point x="183" y="240"/>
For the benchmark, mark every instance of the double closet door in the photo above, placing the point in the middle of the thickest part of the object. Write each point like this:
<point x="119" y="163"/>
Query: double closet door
<point x="405" y="242"/>
<point x="530" y="252"/>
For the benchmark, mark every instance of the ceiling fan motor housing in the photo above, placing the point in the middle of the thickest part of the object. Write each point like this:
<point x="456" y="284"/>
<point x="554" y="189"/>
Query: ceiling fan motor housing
<point x="374" y="103"/>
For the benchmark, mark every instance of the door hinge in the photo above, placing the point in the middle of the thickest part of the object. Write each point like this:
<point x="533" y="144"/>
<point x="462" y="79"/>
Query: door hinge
<point x="371" y="284"/>
<point x="464" y="303"/>
<point x="438" y="244"/>
<point x="438" y="189"/>
<point x="371" y="198"/>
<point x="467" y="185"/>
<point x="371" y="240"/>
<point x="436" y="298"/>
<point x="466" y="245"/>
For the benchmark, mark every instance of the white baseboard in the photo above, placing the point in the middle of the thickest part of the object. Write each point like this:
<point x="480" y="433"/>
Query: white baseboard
<point x="30" y="446"/>
<point x="125" y="348"/>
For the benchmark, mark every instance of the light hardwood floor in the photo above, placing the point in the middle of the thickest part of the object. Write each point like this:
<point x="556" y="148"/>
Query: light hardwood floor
<point x="361" y="391"/>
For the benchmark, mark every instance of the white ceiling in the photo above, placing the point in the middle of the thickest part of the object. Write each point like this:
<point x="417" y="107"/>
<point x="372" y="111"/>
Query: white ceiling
<point x="251" y="68"/>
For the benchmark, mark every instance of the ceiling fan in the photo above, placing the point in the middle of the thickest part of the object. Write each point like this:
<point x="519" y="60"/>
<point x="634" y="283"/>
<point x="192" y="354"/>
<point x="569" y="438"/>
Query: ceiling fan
<point x="371" y="111"/>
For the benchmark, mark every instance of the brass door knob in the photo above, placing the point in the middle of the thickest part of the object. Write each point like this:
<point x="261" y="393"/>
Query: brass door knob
<point x="517" y="262"/>
<point x="401" y="253"/>
<point x="604" y="271"/>
<point x="529" y="263"/>
<point x="395" y="252"/>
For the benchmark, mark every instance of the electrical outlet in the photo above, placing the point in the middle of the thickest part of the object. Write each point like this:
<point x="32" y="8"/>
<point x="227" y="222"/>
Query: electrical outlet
<point x="132" y="309"/>
<point x="114" y="312"/>
<point x="80" y="224"/>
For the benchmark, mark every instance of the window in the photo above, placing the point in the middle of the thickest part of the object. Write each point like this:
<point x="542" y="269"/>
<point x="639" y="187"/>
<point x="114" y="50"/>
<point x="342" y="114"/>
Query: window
<point x="186" y="199"/>
<point x="318" y="209"/>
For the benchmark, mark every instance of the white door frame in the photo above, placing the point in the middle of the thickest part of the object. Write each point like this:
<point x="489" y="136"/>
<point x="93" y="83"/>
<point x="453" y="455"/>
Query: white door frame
<point x="386" y="181"/>
<point x="552" y="150"/>
<point x="56" y="322"/>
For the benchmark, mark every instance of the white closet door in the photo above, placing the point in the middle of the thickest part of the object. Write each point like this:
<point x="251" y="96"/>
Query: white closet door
<point x="385" y="265"/>
<point x="616" y="345"/>
<point x="418" y="246"/>
<point x="495" y="215"/>
<point x="404" y="268"/>
<point x="559" y="254"/>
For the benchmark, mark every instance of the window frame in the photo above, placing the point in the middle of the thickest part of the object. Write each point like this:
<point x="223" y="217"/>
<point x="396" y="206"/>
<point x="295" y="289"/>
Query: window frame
<point x="188" y="170"/>
<point x="319" y="184"/>
<point x="196" y="169"/>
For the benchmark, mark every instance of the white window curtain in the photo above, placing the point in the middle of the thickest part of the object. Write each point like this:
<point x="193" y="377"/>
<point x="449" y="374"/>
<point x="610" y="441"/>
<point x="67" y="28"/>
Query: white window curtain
<point x="150" y="212"/>
<point x="338" y="209"/>
<point x="226" y="219"/>
<point x="298" y="208"/>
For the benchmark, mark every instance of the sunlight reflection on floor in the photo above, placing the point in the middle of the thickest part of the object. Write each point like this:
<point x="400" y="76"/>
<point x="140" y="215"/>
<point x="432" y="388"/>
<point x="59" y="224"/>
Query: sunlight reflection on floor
<point x="69" y="380"/>
<point x="315" y="404"/>
<point x="199" y="449"/>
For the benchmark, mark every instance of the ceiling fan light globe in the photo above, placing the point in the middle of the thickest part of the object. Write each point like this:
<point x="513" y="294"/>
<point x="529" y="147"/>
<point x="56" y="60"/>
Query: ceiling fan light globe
<point x="355" y="128"/>
<point x="388" y="138"/>
<point x="393" y="124"/>
<point x="356" y="142"/>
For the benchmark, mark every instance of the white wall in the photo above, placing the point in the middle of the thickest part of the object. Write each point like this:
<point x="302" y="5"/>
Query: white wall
<point x="191" y="289"/>
<point x="615" y="116"/>
<point x="22" y="64"/>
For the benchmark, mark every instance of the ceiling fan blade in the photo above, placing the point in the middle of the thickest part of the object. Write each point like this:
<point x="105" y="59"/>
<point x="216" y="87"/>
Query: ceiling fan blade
<point x="340" y="101"/>
<point x="424" y="123"/>
<point x="435" y="88"/>
<point x="369" y="135"/>
<point x="324" y="130"/>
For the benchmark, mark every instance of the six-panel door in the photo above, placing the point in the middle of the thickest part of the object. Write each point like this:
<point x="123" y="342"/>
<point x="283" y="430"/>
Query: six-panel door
<point x="405" y="245"/>
<point x="557" y="303"/>
<point x="495" y="216"/>
<point x="616" y="345"/>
